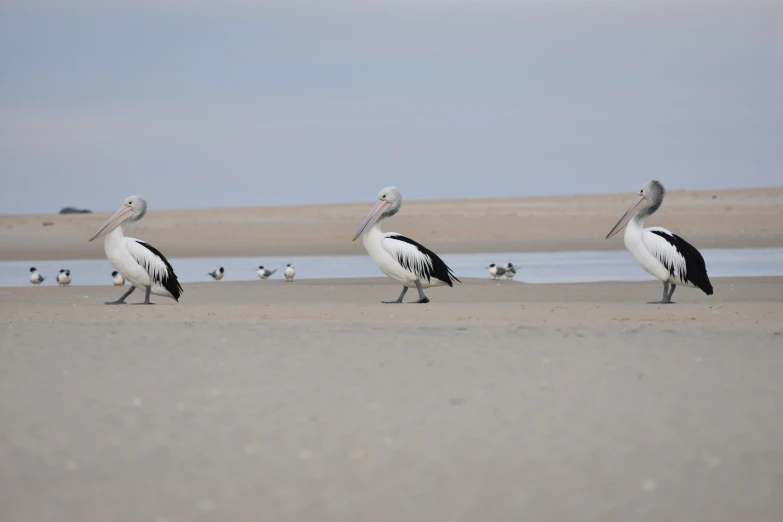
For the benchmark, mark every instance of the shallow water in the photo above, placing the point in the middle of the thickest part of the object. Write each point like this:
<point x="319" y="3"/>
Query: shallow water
<point x="536" y="267"/>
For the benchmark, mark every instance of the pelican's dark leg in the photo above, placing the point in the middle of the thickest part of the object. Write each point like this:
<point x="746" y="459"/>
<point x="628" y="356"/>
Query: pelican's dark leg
<point x="399" y="300"/>
<point x="121" y="300"/>
<point x="664" y="299"/>
<point x="671" y="293"/>
<point x="147" y="296"/>
<point x="422" y="297"/>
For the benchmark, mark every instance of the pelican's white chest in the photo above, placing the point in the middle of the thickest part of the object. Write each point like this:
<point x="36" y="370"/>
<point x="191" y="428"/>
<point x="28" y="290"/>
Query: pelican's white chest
<point x="121" y="259"/>
<point x="635" y="245"/>
<point x="390" y="266"/>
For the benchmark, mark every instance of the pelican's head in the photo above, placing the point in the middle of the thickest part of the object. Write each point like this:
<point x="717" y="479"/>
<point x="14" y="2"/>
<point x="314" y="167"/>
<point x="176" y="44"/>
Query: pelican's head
<point x="388" y="204"/>
<point x="133" y="209"/>
<point x="646" y="203"/>
<point x="33" y="269"/>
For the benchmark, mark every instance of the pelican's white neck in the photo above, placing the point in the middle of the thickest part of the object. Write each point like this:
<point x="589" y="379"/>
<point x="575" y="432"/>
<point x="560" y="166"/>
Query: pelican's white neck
<point x="115" y="235"/>
<point x="634" y="227"/>
<point x="372" y="235"/>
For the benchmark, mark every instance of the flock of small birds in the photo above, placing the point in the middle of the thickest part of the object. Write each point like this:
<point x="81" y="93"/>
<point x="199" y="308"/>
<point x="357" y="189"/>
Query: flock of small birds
<point x="263" y="273"/>
<point x="64" y="277"/>
<point x="498" y="271"/>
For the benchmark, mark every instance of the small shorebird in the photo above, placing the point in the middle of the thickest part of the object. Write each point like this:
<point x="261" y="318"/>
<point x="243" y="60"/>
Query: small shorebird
<point x="263" y="273"/>
<point x="289" y="273"/>
<point x="64" y="278"/>
<point x="138" y="262"/>
<point x="495" y="271"/>
<point x="217" y="275"/>
<point x="399" y="257"/>
<point x="35" y="277"/>
<point x="117" y="278"/>
<point x="661" y="253"/>
<point x="511" y="270"/>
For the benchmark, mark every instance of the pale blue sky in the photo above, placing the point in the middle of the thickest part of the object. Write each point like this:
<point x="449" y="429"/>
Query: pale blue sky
<point x="240" y="103"/>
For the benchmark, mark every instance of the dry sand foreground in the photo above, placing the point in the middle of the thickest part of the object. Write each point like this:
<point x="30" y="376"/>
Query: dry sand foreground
<point x="717" y="219"/>
<point x="312" y="402"/>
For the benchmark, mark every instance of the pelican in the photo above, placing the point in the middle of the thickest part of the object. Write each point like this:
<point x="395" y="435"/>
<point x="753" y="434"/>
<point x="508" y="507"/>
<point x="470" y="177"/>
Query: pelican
<point x="399" y="257"/>
<point x="117" y="279"/>
<point x="35" y="277"/>
<point x="661" y="253"/>
<point x="511" y="270"/>
<point x="64" y="278"/>
<point x="289" y="273"/>
<point x="138" y="262"/>
<point x="217" y="275"/>
<point x="263" y="273"/>
<point x="495" y="271"/>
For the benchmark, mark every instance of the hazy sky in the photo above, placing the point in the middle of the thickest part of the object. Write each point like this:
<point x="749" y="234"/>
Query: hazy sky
<point x="240" y="103"/>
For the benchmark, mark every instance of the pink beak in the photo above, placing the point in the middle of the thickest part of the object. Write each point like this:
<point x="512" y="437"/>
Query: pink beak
<point x="379" y="208"/>
<point x="627" y="216"/>
<point x="113" y="222"/>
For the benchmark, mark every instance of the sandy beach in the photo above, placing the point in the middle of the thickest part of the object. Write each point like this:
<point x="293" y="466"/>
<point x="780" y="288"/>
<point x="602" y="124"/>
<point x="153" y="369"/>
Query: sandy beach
<point x="748" y="218"/>
<point x="269" y="401"/>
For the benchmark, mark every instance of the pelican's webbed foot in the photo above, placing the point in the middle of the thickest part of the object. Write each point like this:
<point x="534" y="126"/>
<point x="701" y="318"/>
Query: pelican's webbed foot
<point x="422" y="297"/>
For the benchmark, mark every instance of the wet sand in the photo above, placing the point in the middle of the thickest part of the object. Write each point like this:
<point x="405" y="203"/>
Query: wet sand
<point x="747" y="218"/>
<point x="312" y="401"/>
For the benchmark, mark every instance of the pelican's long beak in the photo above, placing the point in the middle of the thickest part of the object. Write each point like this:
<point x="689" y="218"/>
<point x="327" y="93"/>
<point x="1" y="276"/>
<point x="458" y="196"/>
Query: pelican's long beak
<point x="627" y="216"/>
<point x="113" y="222"/>
<point x="379" y="208"/>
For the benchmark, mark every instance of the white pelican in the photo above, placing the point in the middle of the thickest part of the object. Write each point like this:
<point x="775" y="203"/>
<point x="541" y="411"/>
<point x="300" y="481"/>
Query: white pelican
<point x="511" y="270"/>
<point x="35" y="277"/>
<point x="117" y="279"/>
<point x="138" y="262"/>
<point x="289" y="273"/>
<point x="217" y="275"/>
<point x="64" y="278"/>
<point x="399" y="257"/>
<point x="264" y="273"/>
<point x="661" y="253"/>
<point x="495" y="271"/>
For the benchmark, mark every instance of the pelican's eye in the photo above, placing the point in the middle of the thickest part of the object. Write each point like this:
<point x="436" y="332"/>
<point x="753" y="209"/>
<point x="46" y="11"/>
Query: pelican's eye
<point x="383" y="197"/>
